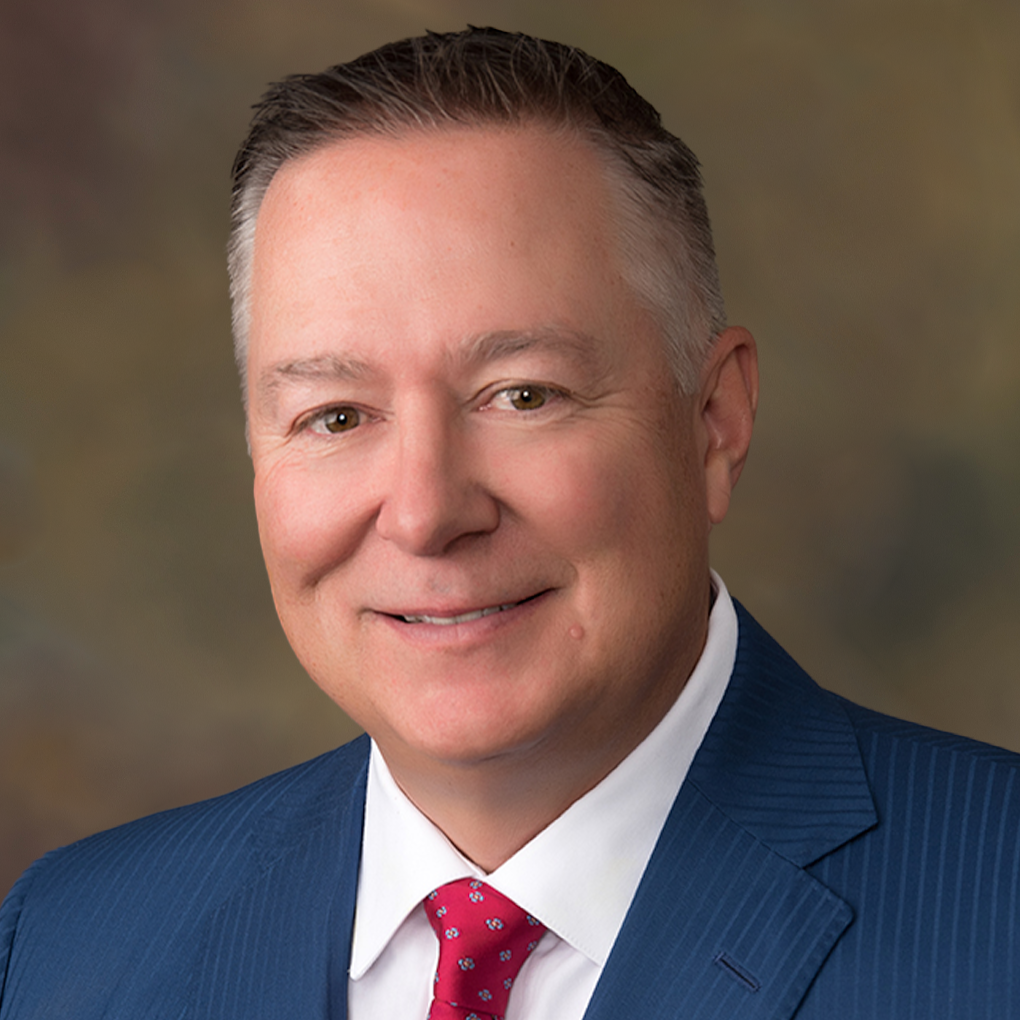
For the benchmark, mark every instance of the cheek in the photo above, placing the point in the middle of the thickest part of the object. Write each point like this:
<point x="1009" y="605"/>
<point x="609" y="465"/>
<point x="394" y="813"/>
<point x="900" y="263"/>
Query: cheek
<point x="307" y="522"/>
<point x="598" y="498"/>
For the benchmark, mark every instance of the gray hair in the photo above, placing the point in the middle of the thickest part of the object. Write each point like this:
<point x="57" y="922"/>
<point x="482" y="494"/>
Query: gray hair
<point x="483" y="76"/>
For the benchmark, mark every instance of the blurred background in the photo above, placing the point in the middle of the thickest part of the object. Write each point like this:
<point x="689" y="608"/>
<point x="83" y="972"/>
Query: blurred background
<point x="863" y="169"/>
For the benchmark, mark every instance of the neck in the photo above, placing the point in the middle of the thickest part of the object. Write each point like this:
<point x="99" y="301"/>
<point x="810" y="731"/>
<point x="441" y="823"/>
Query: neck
<point x="490" y="809"/>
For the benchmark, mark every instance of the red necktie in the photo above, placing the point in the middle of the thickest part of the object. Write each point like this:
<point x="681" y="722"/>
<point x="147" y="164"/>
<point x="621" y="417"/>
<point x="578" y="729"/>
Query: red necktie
<point x="484" y="939"/>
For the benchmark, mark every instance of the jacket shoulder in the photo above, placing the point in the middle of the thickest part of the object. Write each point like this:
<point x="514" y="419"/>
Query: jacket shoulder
<point x="303" y="794"/>
<point x="934" y="885"/>
<point x="935" y="789"/>
<point x="786" y="684"/>
<point x="875" y="726"/>
<point x="142" y="881"/>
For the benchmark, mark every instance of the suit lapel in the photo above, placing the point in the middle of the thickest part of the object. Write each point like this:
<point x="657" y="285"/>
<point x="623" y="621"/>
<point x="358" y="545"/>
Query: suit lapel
<point x="721" y="926"/>
<point x="726" y="922"/>
<point x="279" y="946"/>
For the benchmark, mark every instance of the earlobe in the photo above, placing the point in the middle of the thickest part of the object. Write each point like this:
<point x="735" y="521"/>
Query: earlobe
<point x="729" y="400"/>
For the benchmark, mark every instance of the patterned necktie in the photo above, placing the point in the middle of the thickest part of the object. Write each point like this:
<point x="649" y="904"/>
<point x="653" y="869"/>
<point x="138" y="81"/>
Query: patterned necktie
<point x="484" y="939"/>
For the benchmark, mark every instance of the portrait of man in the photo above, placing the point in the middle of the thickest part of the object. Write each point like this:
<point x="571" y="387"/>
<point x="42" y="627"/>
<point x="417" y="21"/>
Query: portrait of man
<point x="495" y="409"/>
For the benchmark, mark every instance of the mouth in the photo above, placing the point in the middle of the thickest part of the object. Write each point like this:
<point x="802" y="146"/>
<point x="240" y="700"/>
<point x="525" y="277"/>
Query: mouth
<point x="475" y="614"/>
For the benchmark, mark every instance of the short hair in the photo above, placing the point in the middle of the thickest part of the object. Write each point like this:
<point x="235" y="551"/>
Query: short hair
<point x="486" y="77"/>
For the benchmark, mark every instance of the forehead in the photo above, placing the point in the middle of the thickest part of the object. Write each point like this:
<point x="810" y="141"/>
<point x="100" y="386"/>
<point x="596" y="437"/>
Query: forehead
<point x="464" y="231"/>
<point x="412" y="153"/>
<point x="511" y="179"/>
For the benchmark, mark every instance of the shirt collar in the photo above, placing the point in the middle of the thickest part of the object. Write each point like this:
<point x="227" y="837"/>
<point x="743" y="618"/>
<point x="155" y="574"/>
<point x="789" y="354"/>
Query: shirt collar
<point x="580" y="873"/>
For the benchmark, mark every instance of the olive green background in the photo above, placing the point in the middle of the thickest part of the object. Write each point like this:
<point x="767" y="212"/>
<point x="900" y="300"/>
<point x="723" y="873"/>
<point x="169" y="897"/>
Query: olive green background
<point x="863" y="168"/>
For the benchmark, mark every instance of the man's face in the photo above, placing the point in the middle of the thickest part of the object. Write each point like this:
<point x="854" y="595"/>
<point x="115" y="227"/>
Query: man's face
<point x="482" y="506"/>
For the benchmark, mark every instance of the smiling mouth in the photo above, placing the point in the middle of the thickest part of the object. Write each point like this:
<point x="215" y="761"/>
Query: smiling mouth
<point x="476" y="614"/>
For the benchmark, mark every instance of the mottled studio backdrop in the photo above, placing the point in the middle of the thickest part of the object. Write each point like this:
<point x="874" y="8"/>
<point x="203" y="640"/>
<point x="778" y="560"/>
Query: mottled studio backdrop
<point x="863" y="167"/>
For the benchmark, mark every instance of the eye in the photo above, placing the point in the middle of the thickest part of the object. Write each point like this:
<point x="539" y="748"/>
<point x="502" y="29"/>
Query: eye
<point x="527" y="398"/>
<point x="337" y="419"/>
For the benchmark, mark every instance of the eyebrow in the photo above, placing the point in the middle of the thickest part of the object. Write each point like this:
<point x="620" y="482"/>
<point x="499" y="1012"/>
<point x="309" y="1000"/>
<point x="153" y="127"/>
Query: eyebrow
<point x="500" y="344"/>
<point x="479" y="349"/>
<point x="325" y="366"/>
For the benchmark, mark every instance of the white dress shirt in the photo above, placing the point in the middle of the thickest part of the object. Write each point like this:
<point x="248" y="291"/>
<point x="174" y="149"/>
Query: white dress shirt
<point x="578" y="875"/>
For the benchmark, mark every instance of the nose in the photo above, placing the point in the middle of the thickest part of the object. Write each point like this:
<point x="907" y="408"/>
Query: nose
<point x="435" y="492"/>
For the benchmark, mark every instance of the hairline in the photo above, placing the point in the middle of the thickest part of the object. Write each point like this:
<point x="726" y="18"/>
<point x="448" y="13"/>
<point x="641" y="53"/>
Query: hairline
<point x="649" y="260"/>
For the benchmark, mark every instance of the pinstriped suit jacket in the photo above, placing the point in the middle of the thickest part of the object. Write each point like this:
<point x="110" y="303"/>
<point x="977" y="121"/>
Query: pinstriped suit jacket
<point x="820" y="861"/>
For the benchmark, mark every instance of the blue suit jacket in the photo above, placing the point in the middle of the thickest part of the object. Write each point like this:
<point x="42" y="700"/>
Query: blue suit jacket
<point x="820" y="861"/>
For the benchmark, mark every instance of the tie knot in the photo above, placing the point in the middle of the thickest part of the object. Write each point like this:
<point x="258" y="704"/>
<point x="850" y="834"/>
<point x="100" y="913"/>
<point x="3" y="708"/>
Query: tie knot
<point x="484" y="939"/>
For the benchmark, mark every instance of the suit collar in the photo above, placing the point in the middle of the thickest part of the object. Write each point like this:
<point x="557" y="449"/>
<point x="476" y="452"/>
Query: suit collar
<point x="322" y="792"/>
<point x="299" y="884"/>
<point x="781" y="758"/>
<point x="726" y="921"/>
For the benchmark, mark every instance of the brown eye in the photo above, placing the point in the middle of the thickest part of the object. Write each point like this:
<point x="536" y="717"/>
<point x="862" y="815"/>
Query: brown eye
<point x="343" y="419"/>
<point x="528" y="398"/>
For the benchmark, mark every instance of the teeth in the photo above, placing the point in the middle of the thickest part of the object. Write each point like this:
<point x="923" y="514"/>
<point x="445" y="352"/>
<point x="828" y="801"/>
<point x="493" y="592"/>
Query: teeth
<point x="448" y="621"/>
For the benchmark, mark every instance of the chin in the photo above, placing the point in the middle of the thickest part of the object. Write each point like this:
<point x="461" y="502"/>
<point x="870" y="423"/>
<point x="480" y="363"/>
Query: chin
<point x="466" y="739"/>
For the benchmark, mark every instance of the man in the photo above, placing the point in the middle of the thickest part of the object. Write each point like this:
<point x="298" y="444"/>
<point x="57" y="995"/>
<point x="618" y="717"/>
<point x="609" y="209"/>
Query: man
<point x="494" y="411"/>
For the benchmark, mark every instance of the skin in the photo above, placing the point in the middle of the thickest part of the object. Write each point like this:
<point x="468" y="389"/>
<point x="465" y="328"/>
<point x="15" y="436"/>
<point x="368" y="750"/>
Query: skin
<point x="457" y="403"/>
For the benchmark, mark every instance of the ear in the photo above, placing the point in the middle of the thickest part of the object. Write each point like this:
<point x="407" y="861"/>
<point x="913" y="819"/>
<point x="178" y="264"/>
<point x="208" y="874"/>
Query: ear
<point x="728" y="399"/>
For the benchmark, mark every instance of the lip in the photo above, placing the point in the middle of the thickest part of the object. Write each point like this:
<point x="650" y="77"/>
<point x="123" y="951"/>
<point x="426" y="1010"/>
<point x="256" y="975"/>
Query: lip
<point x="451" y="613"/>
<point x="458" y="624"/>
<point x="458" y="618"/>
